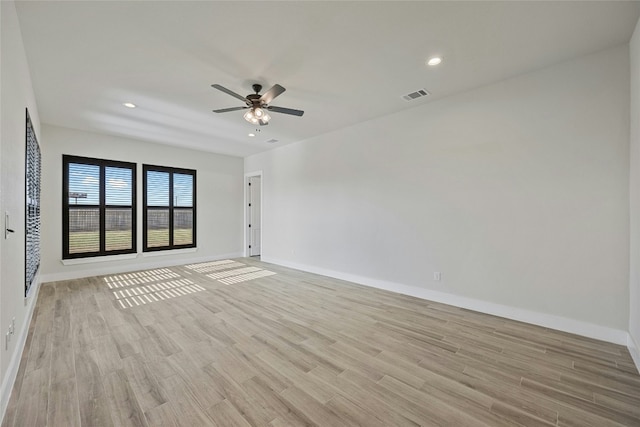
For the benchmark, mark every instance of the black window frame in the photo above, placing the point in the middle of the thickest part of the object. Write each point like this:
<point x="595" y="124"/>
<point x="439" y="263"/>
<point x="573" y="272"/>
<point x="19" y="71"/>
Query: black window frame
<point x="102" y="206"/>
<point x="145" y="208"/>
<point x="32" y="222"/>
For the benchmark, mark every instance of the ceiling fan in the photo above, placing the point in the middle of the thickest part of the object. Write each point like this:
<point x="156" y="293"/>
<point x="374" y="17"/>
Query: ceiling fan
<point x="257" y="104"/>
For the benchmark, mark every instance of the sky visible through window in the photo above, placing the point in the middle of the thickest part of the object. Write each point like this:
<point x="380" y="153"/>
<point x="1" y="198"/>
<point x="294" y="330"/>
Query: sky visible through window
<point x="158" y="189"/>
<point x="182" y="190"/>
<point x="84" y="185"/>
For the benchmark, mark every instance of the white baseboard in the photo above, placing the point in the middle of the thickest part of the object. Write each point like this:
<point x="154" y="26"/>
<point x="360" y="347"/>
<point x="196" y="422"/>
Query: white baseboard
<point x="115" y="267"/>
<point x="634" y="349"/>
<point x="14" y="364"/>
<point x="564" y="324"/>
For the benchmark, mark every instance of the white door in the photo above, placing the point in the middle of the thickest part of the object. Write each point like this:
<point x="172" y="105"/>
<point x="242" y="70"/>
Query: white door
<point x="254" y="215"/>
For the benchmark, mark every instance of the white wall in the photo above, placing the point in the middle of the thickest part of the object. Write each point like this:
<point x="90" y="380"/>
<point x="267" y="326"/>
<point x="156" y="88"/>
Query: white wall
<point x="517" y="192"/>
<point x="219" y="200"/>
<point x="16" y="94"/>
<point x="634" y="197"/>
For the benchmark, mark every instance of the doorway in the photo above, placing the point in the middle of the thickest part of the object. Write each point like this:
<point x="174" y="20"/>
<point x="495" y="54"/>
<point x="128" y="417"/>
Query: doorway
<point x="253" y="214"/>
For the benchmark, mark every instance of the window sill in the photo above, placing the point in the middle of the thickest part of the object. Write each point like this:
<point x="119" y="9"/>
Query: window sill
<point x="91" y="260"/>
<point x="107" y="258"/>
<point x="169" y="252"/>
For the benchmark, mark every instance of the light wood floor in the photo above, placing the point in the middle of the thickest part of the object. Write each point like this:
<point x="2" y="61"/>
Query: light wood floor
<point x="212" y="346"/>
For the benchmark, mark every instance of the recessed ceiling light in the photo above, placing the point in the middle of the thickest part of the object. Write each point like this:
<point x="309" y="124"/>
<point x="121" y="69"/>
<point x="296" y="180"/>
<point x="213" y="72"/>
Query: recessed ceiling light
<point x="434" y="61"/>
<point x="129" y="105"/>
<point x="252" y="134"/>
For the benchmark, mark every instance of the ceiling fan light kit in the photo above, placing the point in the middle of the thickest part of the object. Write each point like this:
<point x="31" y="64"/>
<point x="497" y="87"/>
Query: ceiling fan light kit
<point x="257" y="115"/>
<point x="258" y="104"/>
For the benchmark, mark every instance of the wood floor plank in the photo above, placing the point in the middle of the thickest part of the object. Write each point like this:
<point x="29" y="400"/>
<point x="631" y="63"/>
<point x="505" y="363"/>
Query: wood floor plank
<point x="164" y="342"/>
<point x="619" y="401"/>
<point x="127" y="341"/>
<point x="508" y="394"/>
<point x="352" y="413"/>
<point x="520" y="417"/>
<point x="162" y="416"/>
<point x="375" y="405"/>
<point x="32" y="406"/>
<point x="92" y="401"/>
<point x="269" y="401"/>
<point x="435" y="408"/>
<point x="80" y="335"/>
<point x="203" y="391"/>
<point x="125" y="408"/>
<point x="183" y="402"/>
<point x="224" y="414"/>
<point x="308" y="408"/>
<point x="238" y="397"/>
<point x="63" y="410"/>
<point x="40" y="350"/>
<point x="583" y="404"/>
<point x="96" y="324"/>
<point x="321" y="392"/>
<point x="62" y="363"/>
<point x="106" y="353"/>
<point x="144" y="383"/>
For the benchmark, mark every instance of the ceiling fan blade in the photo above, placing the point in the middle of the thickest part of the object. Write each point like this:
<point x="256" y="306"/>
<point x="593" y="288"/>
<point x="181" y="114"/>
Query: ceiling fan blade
<point x="283" y="110"/>
<point x="229" y="92"/>
<point x="226" y="110"/>
<point x="269" y="95"/>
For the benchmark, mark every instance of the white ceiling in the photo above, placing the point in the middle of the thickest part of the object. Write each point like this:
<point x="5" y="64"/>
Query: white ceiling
<point x="341" y="62"/>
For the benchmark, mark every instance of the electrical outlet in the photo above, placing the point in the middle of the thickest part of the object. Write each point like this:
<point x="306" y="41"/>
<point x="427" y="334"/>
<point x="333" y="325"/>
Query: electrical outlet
<point x="13" y="326"/>
<point x="437" y="276"/>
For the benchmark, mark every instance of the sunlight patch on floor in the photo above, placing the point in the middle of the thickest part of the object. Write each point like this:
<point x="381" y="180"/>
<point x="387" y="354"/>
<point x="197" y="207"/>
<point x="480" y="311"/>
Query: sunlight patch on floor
<point x="206" y="267"/>
<point x="139" y="277"/>
<point x="245" y="277"/>
<point x="233" y="272"/>
<point x="161" y="284"/>
<point x="229" y="272"/>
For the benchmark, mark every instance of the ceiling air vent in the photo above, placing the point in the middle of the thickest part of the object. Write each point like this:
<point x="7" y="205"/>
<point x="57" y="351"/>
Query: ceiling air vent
<point x="415" y="95"/>
<point x="272" y="141"/>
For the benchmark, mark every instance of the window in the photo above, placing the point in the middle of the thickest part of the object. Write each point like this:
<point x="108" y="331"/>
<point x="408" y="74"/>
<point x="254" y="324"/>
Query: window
<point x="32" y="206"/>
<point x="169" y="212"/>
<point x="99" y="207"/>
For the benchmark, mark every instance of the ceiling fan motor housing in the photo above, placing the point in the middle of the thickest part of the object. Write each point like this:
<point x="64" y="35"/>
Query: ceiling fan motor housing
<point x="253" y="100"/>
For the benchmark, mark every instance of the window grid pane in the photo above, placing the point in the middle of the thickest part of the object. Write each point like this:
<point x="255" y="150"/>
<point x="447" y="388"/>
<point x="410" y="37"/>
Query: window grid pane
<point x="157" y="228"/>
<point x="169" y="208"/>
<point x="182" y="227"/>
<point x="157" y="188"/>
<point x="118" y="229"/>
<point x="98" y="207"/>
<point x="84" y="184"/>
<point x="118" y="190"/>
<point x="182" y="190"/>
<point x="84" y="230"/>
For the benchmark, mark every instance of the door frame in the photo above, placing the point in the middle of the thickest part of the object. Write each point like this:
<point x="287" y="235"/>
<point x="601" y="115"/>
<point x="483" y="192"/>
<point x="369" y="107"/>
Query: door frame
<point x="246" y="236"/>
